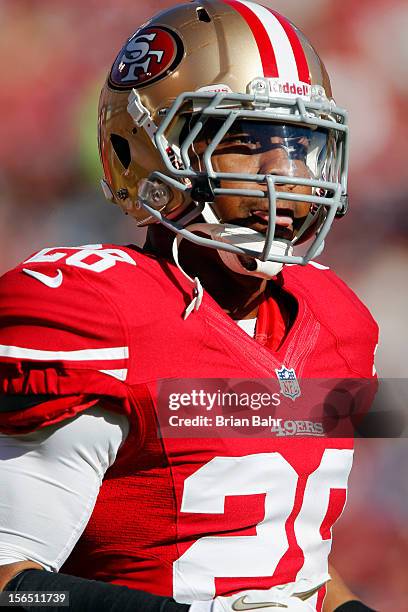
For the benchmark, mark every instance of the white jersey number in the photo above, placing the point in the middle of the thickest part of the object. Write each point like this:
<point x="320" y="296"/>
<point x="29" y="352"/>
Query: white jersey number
<point x="205" y="491"/>
<point x="89" y="257"/>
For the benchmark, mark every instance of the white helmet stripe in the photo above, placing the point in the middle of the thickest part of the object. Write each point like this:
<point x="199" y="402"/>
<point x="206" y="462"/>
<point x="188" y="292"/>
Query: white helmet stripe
<point x="287" y="66"/>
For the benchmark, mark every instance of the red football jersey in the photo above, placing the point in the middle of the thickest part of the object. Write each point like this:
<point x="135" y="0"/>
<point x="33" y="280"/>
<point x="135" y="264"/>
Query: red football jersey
<point x="188" y="517"/>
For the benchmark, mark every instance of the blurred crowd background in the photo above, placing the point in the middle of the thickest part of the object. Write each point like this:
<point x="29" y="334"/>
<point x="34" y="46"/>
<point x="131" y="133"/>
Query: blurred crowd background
<point x="54" y="57"/>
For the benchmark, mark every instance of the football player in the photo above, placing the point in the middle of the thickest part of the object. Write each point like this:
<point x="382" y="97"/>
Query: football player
<point x="217" y="130"/>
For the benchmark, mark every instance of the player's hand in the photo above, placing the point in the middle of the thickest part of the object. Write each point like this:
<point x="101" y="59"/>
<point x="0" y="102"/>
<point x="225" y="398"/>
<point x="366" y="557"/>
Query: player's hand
<point x="247" y="601"/>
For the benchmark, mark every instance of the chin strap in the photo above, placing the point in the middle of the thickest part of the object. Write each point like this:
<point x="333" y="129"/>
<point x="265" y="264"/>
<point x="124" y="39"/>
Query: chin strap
<point x="198" y="291"/>
<point x="256" y="267"/>
<point x="248" y="238"/>
<point x="244" y="237"/>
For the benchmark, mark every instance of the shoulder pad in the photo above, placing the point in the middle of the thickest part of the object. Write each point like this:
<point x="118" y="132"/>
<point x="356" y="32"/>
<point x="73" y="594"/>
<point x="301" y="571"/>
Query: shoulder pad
<point x="60" y="338"/>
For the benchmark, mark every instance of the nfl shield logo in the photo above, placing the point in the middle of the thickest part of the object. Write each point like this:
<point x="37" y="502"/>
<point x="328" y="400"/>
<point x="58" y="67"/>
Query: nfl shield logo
<point x="288" y="382"/>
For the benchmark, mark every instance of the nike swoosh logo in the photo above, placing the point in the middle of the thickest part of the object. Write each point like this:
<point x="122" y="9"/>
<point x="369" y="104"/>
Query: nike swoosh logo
<point x="239" y="605"/>
<point x="51" y="281"/>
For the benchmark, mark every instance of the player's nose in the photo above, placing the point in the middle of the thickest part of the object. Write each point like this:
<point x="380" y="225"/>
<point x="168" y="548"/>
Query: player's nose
<point x="276" y="162"/>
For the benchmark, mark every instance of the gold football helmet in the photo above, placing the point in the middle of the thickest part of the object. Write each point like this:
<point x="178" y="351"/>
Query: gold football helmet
<point x="207" y="71"/>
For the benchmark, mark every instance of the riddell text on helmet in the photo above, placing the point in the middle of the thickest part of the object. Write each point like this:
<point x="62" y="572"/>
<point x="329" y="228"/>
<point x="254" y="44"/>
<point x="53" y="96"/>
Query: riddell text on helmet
<point x="286" y="88"/>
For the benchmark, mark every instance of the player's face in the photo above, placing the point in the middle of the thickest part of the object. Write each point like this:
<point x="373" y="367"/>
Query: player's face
<point x="264" y="148"/>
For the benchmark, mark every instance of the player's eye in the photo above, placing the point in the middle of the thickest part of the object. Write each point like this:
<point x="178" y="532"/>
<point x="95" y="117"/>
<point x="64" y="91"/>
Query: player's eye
<point x="298" y="150"/>
<point x="239" y="139"/>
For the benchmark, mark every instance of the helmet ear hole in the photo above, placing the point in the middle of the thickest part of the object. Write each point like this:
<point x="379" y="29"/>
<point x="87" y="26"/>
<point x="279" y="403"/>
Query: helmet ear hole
<point x="203" y="15"/>
<point x="121" y="147"/>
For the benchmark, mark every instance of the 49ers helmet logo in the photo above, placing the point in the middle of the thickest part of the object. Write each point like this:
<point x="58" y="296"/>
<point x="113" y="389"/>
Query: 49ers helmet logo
<point x="148" y="56"/>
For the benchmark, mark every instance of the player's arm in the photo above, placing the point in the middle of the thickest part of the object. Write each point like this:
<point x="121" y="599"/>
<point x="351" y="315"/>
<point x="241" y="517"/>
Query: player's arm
<point x="50" y="480"/>
<point x="95" y="596"/>
<point x="9" y="570"/>
<point x="52" y="462"/>
<point x="339" y="598"/>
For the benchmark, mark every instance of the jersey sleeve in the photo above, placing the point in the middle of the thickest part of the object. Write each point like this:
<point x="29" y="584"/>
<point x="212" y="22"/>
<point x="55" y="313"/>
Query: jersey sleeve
<point x="61" y="339"/>
<point x="361" y="330"/>
<point x="357" y="341"/>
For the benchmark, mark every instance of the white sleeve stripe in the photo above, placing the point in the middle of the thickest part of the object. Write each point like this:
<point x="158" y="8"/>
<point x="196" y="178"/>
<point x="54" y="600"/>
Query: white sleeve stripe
<point x="102" y="354"/>
<point x="374" y="371"/>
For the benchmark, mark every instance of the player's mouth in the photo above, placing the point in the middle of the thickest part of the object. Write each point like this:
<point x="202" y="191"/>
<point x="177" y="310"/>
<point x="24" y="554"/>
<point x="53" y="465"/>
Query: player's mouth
<point x="284" y="217"/>
<point x="284" y="222"/>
